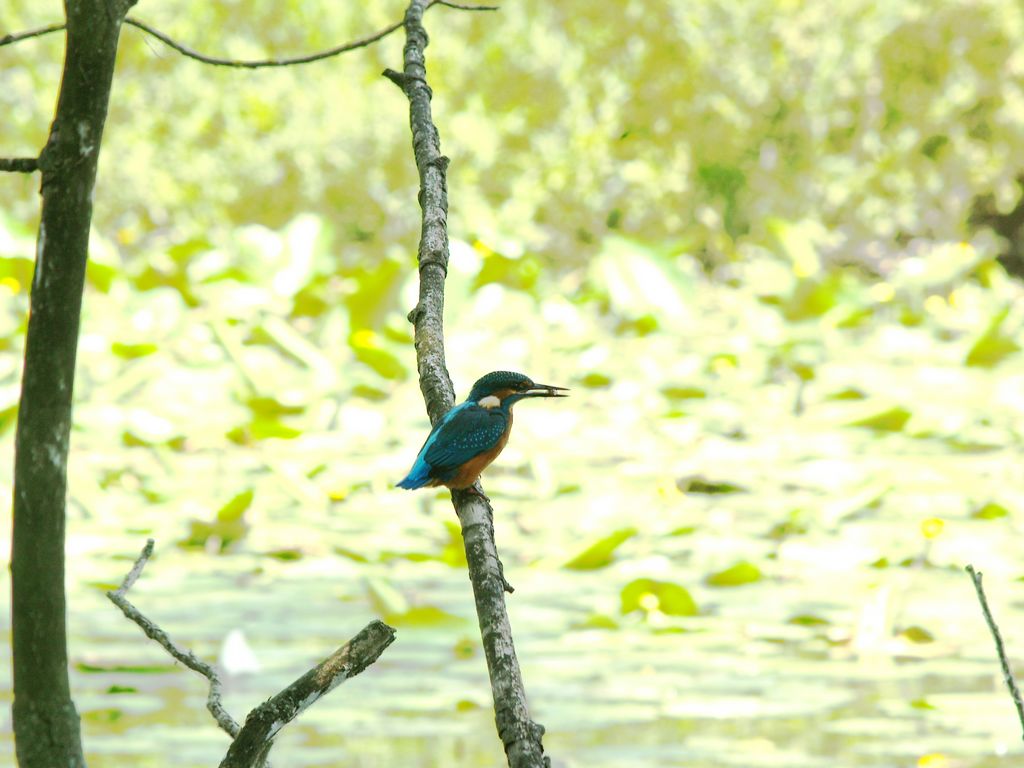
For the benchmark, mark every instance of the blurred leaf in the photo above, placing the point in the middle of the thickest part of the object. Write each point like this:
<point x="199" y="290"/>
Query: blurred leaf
<point x="375" y="284"/>
<point x="808" y="620"/>
<point x="103" y="586"/>
<point x="596" y="381"/>
<point x="400" y="334"/>
<point x="795" y="524"/>
<point x="596" y="621"/>
<point x="931" y="146"/>
<point x="8" y="418"/>
<point x="736" y="575"/>
<point x="519" y="274"/>
<point x="725" y="182"/>
<point x="599" y="554"/>
<point x="848" y="393"/>
<point x="236" y="508"/>
<point x="990" y="511"/>
<point x="453" y="552"/>
<point x="271" y="407"/>
<point x="351" y="554"/>
<point x="18" y="269"/>
<point x="813" y="297"/>
<point x="465" y="647"/>
<point x="262" y="429"/>
<point x="365" y="346"/>
<point x="664" y="596"/>
<point x="373" y="394"/>
<point x="917" y="634"/>
<point x="700" y="484"/>
<point x="132" y="351"/>
<point x="994" y="344"/>
<point x="227" y="527"/>
<point x="100" y="276"/>
<point x="310" y="301"/>
<point x="285" y="555"/>
<point x="388" y="556"/>
<point x="644" y="325"/>
<point x="799" y="242"/>
<point x="684" y="393"/>
<point x="423" y="616"/>
<point x="889" y="420"/>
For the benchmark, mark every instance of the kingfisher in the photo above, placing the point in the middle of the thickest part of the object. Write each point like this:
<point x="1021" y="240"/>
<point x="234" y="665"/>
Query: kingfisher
<point x="472" y="434"/>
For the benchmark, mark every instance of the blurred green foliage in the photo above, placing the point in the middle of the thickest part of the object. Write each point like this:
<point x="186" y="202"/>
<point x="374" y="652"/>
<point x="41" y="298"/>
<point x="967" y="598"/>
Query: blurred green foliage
<point x="703" y="121"/>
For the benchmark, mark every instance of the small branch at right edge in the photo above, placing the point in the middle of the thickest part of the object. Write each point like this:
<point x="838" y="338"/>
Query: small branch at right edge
<point x="1011" y="683"/>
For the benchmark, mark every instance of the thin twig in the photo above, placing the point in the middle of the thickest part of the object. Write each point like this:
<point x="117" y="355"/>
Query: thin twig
<point x="260" y="63"/>
<point x="520" y="735"/>
<point x="19" y="36"/>
<point x="19" y="164"/>
<point x="218" y="61"/>
<point x="462" y="7"/>
<point x="254" y="741"/>
<point x="1011" y="683"/>
<point x="213" y="701"/>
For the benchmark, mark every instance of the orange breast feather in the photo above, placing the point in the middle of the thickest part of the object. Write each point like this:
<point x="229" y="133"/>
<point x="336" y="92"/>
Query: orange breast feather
<point x="471" y="470"/>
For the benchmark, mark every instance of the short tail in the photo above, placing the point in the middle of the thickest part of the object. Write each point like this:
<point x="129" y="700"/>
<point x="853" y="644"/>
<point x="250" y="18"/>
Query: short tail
<point x="418" y="476"/>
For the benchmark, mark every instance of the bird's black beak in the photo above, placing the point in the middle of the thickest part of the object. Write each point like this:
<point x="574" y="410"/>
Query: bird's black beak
<point x="546" y="390"/>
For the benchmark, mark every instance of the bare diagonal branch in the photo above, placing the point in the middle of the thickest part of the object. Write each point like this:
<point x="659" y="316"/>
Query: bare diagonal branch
<point x="254" y="741"/>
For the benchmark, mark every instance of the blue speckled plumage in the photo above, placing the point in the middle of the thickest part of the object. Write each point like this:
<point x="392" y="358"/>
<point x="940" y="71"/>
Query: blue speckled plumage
<point x="469" y="430"/>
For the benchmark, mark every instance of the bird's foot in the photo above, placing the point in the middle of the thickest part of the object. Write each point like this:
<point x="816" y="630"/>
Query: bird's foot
<point x="476" y="490"/>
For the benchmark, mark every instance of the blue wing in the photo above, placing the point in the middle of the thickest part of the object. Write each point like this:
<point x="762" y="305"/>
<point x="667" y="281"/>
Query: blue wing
<point x="467" y="430"/>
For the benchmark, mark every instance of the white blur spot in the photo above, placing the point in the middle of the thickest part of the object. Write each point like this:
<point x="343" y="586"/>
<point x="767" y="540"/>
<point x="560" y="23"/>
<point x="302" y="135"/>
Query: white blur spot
<point x="489" y="402"/>
<point x="236" y="656"/>
<point x="463" y="258"/>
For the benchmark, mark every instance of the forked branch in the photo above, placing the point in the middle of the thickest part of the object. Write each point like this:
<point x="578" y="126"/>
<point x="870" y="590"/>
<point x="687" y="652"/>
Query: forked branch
<point x="252" y="741"/>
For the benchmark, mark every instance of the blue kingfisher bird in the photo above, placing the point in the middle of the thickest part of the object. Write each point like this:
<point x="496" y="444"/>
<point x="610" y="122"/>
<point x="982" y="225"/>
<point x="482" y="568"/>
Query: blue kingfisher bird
<point x="472" y="434"/>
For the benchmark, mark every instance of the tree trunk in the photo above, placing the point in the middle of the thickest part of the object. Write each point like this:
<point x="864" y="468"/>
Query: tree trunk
<point x="46" y="725"/>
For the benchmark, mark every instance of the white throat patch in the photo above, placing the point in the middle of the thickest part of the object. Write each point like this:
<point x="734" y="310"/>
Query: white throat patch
<point x="489" y="402"/>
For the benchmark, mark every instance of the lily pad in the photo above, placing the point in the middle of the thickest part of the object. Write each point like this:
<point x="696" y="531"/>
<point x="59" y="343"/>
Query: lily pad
<point x="599" y="554"/>
<point x="651" y="595"/>
<point x="736" y="575"/>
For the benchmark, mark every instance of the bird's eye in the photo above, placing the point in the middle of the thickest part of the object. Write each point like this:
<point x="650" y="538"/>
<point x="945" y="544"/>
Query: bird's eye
<point x="522" y="386"/>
